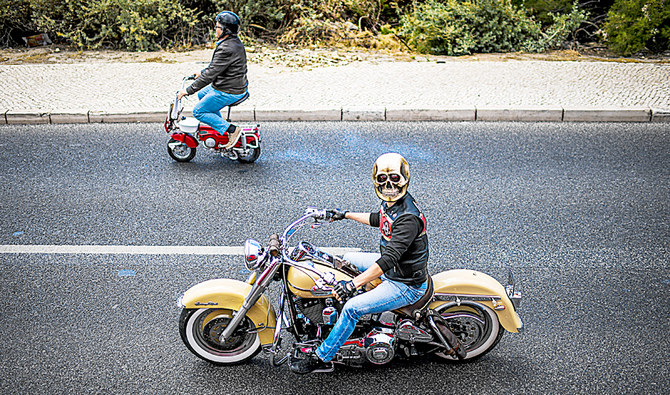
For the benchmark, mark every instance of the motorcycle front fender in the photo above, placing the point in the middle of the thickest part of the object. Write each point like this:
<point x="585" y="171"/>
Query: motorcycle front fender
<point x="229" y="294"/>
<point x="463" y="284"/>
<point x="185" y="138"/>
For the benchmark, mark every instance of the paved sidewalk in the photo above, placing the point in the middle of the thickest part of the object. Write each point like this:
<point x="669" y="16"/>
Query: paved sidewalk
<point x="458" y="90"/>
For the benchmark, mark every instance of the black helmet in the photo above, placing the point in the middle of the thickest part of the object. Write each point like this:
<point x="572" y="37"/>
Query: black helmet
<point x="229" y="21"/>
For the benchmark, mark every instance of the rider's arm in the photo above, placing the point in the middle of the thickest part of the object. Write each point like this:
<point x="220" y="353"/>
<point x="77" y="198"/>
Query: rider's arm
<point x="363" y="218"/>
<point x="368" y="275"/>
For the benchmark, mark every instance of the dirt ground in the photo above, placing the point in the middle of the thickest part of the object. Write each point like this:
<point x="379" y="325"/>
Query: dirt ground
<point x="296" y="57"/>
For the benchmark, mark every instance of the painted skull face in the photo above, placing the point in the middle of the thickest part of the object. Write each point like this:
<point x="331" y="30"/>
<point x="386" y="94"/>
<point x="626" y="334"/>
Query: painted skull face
<point x="390" y="175"/>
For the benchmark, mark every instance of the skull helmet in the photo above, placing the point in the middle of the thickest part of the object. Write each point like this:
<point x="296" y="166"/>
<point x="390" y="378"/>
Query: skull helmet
<point x="390" y="174"/>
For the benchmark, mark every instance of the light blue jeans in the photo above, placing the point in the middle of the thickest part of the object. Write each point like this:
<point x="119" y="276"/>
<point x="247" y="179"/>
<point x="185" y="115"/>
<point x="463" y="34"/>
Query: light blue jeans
<point x="389" y="295"/>
<point x="208" y="109"/>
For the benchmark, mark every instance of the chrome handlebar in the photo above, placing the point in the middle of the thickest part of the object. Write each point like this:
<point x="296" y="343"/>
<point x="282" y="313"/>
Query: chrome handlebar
<point x="317" y="214"/>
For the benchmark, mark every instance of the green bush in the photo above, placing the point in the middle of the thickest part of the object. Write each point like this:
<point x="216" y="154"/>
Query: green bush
<point x="454" y="27"/>
<point x="138" y="25"/>
<point x="635" y="25"/>
<point x="14" y="20"/>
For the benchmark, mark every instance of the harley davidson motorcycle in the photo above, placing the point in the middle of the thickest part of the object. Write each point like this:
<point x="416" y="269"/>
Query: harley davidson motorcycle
<point x="226" y="321"/>
<point x="187" y="133"/>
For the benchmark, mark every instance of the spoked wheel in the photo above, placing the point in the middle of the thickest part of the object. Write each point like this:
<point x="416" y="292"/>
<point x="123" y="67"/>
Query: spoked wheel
<point x="250" y="156"/>
<point x="476" y="326"/>
<point x="201" y="331"/>
<point x="180" y="151"/>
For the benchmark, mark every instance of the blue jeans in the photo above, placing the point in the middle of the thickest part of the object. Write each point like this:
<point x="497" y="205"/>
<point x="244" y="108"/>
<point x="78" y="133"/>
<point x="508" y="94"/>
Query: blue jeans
<point x="389" y="295"/>
<point x="208" y="109"/>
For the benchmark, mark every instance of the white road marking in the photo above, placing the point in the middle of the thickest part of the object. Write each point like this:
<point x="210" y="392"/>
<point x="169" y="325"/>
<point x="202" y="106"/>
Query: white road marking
<point x="140" y="250"/>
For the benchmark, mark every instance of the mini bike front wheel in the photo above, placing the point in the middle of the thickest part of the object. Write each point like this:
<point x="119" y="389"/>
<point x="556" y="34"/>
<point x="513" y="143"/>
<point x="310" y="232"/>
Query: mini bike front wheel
<point x="180" y="151"/>
<point x="201" y="331"/>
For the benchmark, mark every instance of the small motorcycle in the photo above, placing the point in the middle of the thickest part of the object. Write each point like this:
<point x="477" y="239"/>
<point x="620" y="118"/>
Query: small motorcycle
<point x="187" y="133"/>
<point x="226" y="321"/>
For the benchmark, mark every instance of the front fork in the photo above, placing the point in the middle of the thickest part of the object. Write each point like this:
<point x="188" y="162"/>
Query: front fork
<point x="276" y="343"/>
<point x="256" y="292"/>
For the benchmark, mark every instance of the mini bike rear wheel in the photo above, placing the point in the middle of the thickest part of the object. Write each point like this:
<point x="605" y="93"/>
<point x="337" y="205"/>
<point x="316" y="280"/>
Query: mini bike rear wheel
<point x="201" y="331"/>
<point x="180" y="151"/>
<point x="251" y="156"/>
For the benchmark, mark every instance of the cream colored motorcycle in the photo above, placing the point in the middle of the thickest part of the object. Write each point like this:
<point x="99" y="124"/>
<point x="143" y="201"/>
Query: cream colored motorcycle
<point x="227" y="321"/>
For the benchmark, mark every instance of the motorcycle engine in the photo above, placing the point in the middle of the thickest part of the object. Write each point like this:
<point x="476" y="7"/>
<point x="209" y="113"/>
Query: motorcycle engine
<point x="312" y="309"/>
<point x="210" y="142"/>
<point x="379" y="346"/>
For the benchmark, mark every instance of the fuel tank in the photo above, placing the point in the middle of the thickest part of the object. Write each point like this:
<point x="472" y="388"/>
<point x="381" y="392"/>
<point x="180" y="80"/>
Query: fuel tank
<point x="301" y="282"/>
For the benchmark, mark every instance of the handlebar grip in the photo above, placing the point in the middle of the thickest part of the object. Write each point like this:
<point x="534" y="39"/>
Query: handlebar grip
<point x="274" y="245"/>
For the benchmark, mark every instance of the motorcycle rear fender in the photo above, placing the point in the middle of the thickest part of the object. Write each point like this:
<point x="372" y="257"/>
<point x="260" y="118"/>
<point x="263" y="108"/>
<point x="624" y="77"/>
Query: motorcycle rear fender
<point x="463" y="284"/>
<point x="185" y="138"/>
<point x="230" y="294"/>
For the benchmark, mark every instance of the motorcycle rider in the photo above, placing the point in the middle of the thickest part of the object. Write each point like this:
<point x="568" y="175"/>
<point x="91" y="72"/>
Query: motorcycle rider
<point x="224" y="81"/>
<point x="402" y="264"/>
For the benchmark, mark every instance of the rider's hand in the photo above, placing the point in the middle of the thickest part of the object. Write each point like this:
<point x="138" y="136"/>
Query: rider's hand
<point x="181" y="94"/>
<point x="336" y="214"/>
<point x="343" y="290"/>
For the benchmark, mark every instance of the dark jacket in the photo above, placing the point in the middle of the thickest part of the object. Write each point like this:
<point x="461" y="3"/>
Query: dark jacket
<point x="403" y="244"/>
<point x="227" y="72"/>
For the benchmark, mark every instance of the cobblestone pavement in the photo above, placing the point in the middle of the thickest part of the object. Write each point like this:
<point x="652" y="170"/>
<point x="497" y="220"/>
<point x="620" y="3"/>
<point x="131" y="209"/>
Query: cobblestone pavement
<point x="137" y="87"/>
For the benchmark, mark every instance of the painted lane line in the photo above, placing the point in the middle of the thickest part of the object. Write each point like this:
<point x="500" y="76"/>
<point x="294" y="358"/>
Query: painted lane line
<point x="140" y="250"/>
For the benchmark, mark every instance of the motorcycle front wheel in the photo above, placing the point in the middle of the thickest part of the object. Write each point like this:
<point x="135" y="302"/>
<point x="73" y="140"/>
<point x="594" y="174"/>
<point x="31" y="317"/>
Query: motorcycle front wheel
<point x="251" y="155"/>
<point x="201" y="331"/>
<point x="476" y="326"/>
<point x="180" y="151"/>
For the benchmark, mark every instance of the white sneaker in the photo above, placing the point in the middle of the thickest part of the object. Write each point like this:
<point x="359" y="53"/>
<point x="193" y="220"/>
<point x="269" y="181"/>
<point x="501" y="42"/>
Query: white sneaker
<point x="232" y="138"/>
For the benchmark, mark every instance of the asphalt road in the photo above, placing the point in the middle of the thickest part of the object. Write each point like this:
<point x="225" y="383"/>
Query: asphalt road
<point x="579" y="212"/>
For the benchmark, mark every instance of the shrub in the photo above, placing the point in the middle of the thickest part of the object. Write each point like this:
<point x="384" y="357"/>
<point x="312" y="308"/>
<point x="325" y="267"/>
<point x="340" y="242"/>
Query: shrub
<point x="127" y="24"/>
<point x="635" y="25"/>
<point x="14" y="21"/>
<point x="454" y="27"/>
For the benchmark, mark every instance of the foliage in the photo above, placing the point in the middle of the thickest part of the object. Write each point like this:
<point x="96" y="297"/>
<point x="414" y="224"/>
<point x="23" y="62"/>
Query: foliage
<point x="14" y="20"/>
<point x="635" y="25"/>
<point x="542" y="10"/>
<point x="451" y="27"/>
<point x="454" y="27"/>
<point x="259" y="17"/>
<point x="127" y="24"/>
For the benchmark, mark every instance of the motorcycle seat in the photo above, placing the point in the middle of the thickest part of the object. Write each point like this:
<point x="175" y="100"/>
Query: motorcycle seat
<point x="243" y="98"/>
<point x="420" y="304"/>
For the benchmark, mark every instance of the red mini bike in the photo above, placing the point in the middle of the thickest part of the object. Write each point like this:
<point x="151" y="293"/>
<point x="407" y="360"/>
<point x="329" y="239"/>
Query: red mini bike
<point x="187" y="133"/>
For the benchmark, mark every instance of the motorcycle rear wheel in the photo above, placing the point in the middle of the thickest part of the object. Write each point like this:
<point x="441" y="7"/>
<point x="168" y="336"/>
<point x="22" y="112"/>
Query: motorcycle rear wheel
<point x="200" y="330"/>
<point x="476" y="326"/>
<point x="180" y="151"/>
<point x="251" y="157"/>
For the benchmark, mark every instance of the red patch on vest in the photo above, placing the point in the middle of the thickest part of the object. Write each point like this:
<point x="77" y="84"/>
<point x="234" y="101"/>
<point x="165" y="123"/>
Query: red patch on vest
<point x="385" y="225"/>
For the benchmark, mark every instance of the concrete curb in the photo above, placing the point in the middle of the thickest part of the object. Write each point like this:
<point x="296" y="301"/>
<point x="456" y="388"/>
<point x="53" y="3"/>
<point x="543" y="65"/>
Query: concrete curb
<point x="259" y="114"/>
<point x="660" y="115"/>
<point x="607" y="114"/>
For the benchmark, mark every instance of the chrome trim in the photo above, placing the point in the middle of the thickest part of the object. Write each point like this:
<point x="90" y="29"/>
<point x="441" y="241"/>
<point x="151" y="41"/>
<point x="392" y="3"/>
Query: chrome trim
<point x="446" y="297"/>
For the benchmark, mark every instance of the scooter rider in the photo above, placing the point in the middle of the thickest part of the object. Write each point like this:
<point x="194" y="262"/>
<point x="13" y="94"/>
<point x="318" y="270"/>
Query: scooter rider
<point x="224" y="80"/>
<point x="402" y="264"/>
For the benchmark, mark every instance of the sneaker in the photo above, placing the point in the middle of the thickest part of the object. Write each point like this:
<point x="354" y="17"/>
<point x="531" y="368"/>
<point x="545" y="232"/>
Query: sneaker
<point x="311" y="364"/>
<point x="233" y="137"/>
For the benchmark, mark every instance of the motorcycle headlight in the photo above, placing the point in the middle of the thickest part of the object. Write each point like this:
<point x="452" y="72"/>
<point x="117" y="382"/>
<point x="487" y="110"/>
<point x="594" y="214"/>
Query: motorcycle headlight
<point x="253" y="254"/>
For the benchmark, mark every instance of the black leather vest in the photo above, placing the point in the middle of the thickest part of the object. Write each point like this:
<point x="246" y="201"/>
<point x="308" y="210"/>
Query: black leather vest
<point x="411" y="267"/>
